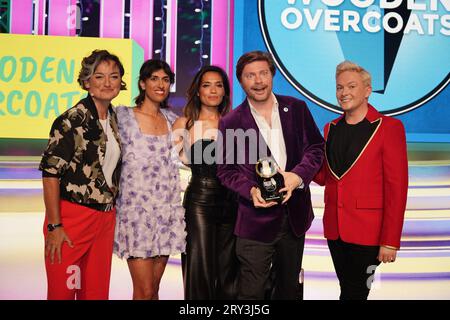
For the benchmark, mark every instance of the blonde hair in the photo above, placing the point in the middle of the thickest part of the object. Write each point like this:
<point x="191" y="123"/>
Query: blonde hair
<point x="350" y="66"/>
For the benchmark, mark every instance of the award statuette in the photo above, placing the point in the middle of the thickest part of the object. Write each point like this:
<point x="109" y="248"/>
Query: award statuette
<point x="270" y="181"/>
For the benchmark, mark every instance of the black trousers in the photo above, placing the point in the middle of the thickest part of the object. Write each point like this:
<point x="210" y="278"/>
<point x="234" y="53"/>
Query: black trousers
<point x="210" y="264"/>
<point x="279" y="261"/>
<point x="355" y="266"/>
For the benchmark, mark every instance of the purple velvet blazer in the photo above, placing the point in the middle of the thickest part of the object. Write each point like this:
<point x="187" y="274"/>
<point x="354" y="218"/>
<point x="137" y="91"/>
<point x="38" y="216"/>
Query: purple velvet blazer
<point x="305" y="153"/>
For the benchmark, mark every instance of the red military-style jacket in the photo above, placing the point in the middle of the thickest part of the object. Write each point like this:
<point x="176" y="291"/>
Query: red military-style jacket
<point x="366" y="204"/>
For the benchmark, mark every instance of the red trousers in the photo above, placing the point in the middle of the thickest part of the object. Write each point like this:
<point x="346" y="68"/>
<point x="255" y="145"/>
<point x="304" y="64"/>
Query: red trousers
<point x="85" y="270"/>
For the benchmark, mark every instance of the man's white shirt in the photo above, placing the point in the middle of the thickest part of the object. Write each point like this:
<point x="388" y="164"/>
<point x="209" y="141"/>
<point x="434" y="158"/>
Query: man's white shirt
<point x="273" y="136"/>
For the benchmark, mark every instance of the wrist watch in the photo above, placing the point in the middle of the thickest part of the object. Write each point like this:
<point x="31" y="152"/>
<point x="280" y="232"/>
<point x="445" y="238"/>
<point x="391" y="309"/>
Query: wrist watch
<point x="51" y="227"/>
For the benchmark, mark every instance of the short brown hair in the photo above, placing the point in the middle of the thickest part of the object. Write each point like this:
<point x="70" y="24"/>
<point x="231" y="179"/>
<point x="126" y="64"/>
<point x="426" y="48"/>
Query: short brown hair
<point x="90" y="63"/>
<point x="253" y="56"/>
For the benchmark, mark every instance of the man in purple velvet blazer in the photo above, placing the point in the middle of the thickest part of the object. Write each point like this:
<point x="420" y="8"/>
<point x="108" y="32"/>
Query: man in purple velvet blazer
<point x="270" y="236"/>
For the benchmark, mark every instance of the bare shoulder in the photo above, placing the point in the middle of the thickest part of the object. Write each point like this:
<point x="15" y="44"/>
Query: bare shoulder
<point x="180" y="122"/>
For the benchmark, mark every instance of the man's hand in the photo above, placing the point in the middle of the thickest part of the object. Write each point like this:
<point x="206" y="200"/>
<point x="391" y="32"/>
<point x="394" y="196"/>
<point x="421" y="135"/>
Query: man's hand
<point x="54" y="242"/>
<point x="291" y="182"/>
<point x="258" y="201"/>
<point x="387" y="255"/>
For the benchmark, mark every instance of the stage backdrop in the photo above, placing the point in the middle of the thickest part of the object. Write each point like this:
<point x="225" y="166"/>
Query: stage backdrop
<point x="405" y="45"/>
<point x="38" y="79"/>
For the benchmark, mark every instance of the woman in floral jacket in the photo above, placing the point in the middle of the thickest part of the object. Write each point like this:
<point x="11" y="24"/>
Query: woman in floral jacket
<point x="80" y="173"/>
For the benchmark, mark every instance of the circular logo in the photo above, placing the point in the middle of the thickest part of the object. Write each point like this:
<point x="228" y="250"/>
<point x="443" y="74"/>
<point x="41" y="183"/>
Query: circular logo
<point x="404" y="45"/>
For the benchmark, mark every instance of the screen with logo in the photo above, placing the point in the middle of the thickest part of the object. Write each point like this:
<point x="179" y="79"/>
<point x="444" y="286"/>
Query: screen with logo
<point x="405" y="45"/>
<point x="38" y="79"/>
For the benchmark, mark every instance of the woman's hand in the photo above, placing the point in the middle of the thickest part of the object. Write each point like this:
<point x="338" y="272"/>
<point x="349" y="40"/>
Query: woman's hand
<point x="54" y="242"/>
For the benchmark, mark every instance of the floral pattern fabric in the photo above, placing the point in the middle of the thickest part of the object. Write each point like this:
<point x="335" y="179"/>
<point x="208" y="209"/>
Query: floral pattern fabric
<point x="150" y="218"/>
<point x="75" y="154"/>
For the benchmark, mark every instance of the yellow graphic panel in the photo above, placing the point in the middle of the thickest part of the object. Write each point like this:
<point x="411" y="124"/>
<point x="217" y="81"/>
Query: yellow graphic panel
<point x="38" y="78"/>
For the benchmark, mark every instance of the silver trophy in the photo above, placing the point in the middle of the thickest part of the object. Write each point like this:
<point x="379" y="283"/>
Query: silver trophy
<point x="270" y="181"/>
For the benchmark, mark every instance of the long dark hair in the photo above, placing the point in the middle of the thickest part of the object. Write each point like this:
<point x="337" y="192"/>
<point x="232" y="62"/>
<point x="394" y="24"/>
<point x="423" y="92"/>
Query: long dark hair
<point x="146" y="71"/>
<point x="192" y="109"/>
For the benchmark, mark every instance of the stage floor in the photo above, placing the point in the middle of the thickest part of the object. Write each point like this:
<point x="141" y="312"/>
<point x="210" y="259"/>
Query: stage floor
<point x="422" y="270"/>
<point x="22" y="272"/>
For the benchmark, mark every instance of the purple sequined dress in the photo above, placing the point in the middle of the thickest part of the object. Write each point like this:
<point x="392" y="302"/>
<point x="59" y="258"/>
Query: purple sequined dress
<point x="150" y="218"/>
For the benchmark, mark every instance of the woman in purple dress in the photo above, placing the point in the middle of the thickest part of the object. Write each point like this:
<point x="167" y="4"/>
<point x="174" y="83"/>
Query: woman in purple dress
<point x="150" y="218"/>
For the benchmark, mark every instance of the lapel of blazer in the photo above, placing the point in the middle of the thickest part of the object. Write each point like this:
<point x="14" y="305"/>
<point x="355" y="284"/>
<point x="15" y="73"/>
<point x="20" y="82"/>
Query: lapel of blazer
<point x="247" y="122"/>
<point x="286" y="118"/>
<point x="374" y="117"/>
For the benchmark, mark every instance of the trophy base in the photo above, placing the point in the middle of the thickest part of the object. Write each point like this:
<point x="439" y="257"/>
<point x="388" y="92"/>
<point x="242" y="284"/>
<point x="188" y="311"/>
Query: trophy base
<point x="270" y="187"/>
<point x="275" y="197"/>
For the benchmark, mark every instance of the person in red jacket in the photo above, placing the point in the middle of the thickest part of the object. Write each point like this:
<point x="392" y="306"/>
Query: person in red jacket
<point x="366" y="182"/>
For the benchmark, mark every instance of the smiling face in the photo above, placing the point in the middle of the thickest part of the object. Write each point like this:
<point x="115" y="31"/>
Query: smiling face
<point x="211" y="90"/>
<point x="351" y="92"/>
<point x="156" y="87"/>
<point x="257" y="81"/>
<point x="104" y="84"/>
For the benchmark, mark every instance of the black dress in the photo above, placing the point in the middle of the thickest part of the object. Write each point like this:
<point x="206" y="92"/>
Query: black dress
<point x="210" y="264"/>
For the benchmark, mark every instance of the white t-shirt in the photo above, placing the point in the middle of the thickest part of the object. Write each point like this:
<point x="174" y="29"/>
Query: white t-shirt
<point x="112" y="154"/>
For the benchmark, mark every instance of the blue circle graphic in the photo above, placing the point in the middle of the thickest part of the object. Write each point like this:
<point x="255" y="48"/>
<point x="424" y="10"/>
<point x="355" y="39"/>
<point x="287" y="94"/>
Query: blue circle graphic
<point x="405" y="49"/>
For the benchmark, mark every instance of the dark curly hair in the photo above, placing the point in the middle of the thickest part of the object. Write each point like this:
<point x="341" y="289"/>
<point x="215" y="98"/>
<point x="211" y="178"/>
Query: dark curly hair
<point x="90" y="63"/>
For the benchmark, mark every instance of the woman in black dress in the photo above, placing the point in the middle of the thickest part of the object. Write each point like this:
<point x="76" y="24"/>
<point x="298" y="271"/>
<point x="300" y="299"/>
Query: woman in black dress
<point x="209" y="265"/>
